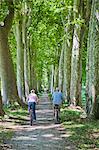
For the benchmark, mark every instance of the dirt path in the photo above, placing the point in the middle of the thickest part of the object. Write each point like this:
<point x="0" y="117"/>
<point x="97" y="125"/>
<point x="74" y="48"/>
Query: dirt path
<point x="44" y="135"/>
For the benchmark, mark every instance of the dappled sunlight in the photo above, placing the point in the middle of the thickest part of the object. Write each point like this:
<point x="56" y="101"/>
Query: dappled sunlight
<point x="46" y="138"/>
<point x="39" y="126"/>
<point x="88" y="146"/>
<point x="48" y="135"/>
<point x="60" y="128"/>
<point x="44" y="111"/>
<point x="74" y="125"/>
<point x="69" y="122"/>
<point x="44" y="103"/>
<point x="68" y="147"/>
<point x="24" y="138"/>
<point x="56" y="138"/>
<point x="49" y="74"/>
<point x="65" y="135"/>
<point x="43" y="134"/>
<point x="41" y="120"/>
<point x="96" y="134"/>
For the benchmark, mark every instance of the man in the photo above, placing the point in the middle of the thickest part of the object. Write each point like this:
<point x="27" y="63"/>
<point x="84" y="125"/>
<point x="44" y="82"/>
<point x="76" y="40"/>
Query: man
<point x="57" y="100"/>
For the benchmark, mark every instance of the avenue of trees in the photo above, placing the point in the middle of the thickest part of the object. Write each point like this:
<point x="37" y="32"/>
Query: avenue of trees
<point x="50" y="43"/>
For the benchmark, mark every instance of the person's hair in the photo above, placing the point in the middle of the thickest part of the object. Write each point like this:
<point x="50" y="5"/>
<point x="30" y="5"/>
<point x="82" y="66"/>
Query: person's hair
<point x="57" y="89"/>
<point x="32" y="91"/>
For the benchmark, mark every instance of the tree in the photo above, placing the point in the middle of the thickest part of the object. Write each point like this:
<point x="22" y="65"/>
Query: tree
<point x="68" y="40"/>
<point x="1" y="106"/>
<point x="92" y="68"/>
<point x="60" y="83"/>
<point x="5" y="57"/>
<point x="76" y="62"/>
<point x="6" y="65"/>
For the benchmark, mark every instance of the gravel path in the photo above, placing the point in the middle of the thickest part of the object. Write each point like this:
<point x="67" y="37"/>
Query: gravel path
<point x="44" y="135"/>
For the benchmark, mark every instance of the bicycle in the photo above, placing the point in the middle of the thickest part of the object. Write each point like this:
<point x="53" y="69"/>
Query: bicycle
<point x="56" y="113"/>
<point x="31" y="116"/>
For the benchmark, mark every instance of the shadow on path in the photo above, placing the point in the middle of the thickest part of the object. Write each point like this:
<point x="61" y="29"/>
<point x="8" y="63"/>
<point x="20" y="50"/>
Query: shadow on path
<point x="44" y="135"/>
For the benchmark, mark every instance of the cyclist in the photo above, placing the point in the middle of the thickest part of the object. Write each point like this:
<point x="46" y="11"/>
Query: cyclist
<point x="57" y="100"/>
<point x="32" y="101"/>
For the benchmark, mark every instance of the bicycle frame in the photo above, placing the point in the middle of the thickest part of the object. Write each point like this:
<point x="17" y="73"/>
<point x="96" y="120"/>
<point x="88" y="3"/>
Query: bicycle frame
<point x="31" y="117"/>
<point x="56" y="113"/>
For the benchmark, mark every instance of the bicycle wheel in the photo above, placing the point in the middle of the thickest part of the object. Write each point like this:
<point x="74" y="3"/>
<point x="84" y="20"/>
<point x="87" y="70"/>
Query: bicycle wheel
<point x="31" y="117"/>
<point x="56" y="116"/>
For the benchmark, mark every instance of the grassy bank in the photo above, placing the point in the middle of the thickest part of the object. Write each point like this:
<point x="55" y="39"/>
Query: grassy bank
<point x="13" y="116"/>
<point x="83" y="133"/>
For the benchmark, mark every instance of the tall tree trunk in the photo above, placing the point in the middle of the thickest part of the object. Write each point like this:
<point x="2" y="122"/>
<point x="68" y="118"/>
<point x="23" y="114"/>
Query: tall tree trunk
<point x="60" y="83"/>
<point x="56" y="76"/>
<point x="76" y="64"/>
<point x="25" y="56"/>
<point x="31" y="69"/>
<point x="89" y="67"/>
<point x="48" y="78"/>
<point x="64" y="71"/>
<point x="20" y="59"/>
<point x="92" y="68"/>
<point x="3" y="68"/>
<point x="26" y="43"/>
<point x="26" y="50"/>
<point x="1" y="106"/>
<point x="52" y="78"/>
<point x="6" y="64"/>
<point x="67" y="53"/>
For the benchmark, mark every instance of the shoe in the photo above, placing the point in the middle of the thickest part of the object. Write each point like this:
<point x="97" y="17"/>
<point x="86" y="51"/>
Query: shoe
<point x="34" y="122"/>
<point x="57" y="122"/>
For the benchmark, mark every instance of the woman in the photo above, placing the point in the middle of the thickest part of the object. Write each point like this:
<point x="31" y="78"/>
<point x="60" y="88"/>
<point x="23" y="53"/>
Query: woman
<point x="32" y="101"/>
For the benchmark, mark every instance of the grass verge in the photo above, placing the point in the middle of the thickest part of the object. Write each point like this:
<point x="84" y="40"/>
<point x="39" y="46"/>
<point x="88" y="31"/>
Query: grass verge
<point x="5" y="135"/>
<point x="12" y="116"/>
<point x="84" y="132"/>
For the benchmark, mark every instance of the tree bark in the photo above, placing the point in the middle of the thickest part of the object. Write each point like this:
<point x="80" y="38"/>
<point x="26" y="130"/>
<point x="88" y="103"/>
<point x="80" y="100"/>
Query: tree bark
<point x="52" y="78"/>
<point x="68" y="40"/>
<point x="60" y="83"/>
<point x="89" y="67"/>
<point x="20" y="59"/>
<point x="25" y="56"/>
<point x="1" y="106"/>
<point x="64" y="71"/>
<point x="95" y="36"/>
<point x="6" y="65"/>
<point x="5" y="59"/>
<point x="76" y="62"/>
<point x="56" y="76"/>
<point x="25" y="24"/>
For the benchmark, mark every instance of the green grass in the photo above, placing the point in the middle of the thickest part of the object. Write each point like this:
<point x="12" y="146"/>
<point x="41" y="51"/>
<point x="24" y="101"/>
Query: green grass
<point x="5" y="135"/>
<point x="50" y="96"/>
<point x="18" y="112"/>
<point x="68" y="115"/>
<point x="84" y="133"/>
<point x="17" y="115"/>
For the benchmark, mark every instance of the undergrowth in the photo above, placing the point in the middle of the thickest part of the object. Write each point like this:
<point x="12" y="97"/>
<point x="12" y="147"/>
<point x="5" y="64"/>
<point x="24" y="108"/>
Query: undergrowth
<point x="5" y="135"/>
<point x="84" y="132"/>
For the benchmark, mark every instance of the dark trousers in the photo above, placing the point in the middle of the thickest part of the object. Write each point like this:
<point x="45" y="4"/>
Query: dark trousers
<point x="32" y="105"/>
<point x="56" y="106"/>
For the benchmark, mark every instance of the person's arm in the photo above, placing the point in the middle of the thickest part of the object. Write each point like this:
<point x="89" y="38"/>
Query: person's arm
<point x="37" y="99"/>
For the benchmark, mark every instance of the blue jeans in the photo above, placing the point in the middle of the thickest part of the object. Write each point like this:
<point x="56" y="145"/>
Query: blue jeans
<point x="32" y="105"/>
